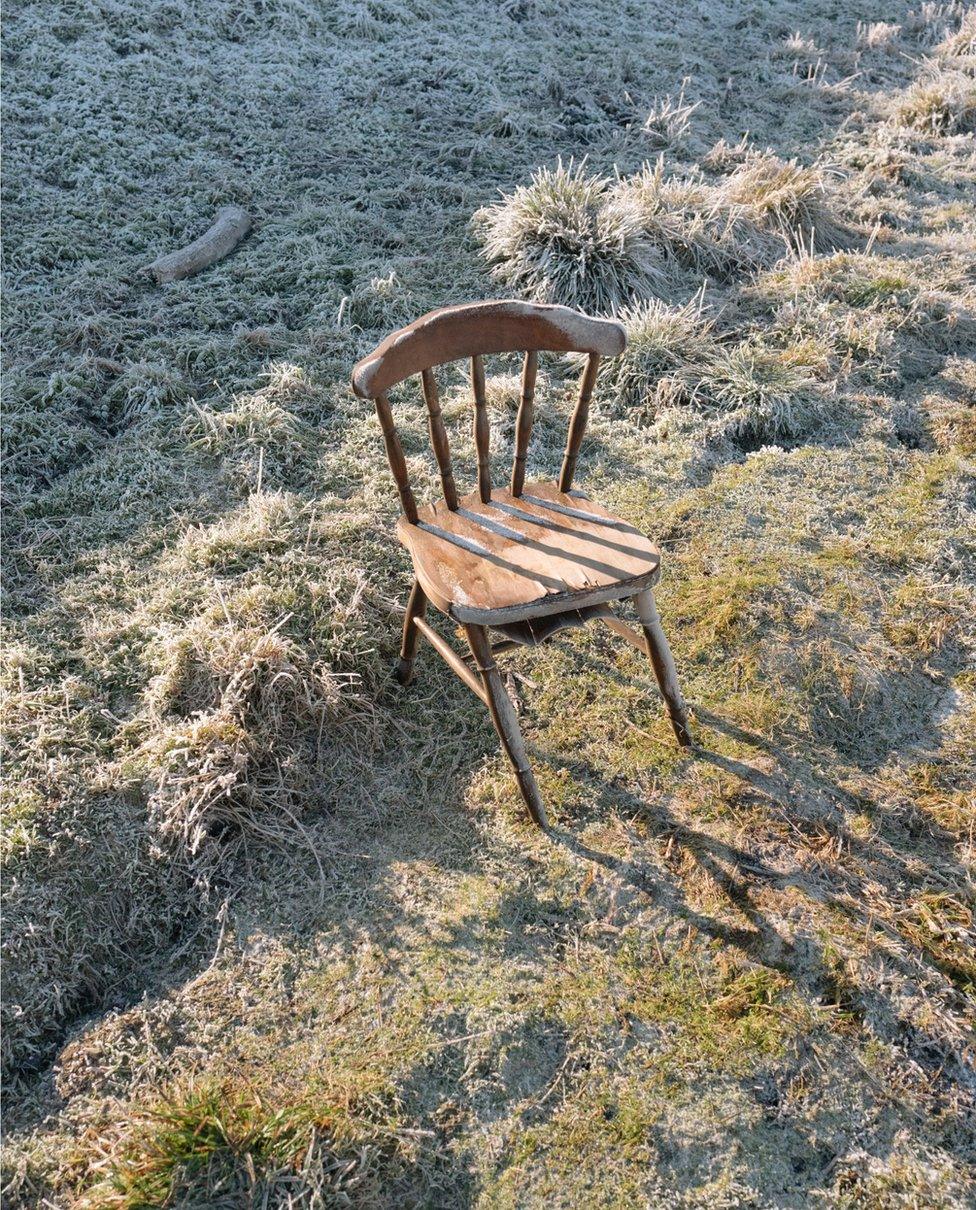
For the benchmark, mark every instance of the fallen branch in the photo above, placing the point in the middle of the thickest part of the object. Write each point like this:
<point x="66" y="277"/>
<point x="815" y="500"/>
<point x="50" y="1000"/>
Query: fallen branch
<point x="229" y="228"/>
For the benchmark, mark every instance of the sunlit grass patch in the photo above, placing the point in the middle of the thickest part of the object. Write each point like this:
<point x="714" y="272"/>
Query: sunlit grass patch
<point x="908" y="521"/>
<point x="214" y="1142"/>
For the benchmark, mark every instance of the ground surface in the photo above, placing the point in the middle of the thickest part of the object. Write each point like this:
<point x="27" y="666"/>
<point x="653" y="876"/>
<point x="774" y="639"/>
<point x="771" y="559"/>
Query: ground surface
<point x="280" y="934"/>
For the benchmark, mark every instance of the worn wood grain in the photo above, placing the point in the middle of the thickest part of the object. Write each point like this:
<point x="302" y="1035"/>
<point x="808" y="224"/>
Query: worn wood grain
<point x="577" y="425"/>
<point x="517" y="557"/>
<point x="506" y="722"/>
<point x="663" y="664"/>
<point x="394" y="455"/>
<point x="507" y="326"/>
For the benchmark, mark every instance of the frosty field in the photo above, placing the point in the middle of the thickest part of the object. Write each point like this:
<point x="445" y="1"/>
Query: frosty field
<point x="279" y="933"/>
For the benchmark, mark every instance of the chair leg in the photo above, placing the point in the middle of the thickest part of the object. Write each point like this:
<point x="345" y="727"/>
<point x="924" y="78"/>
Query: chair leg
<point x="506" y="723"/>
<point x="416" y="608"/>
<point x="663" y="663"/>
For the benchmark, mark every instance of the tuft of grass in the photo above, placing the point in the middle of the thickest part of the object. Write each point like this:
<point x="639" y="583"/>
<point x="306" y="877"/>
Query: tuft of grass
<point x="789" y="199"/>
<point x="943" y="102"/>
<point x="566" y="238"/>
<point x="218" y="1143"/>
<point x="877" y="35"/>
<point x="666" y="125"/>
<point x="667" y="351"/>
<point x="693" y="228"/>
<point x="758" y="395"/>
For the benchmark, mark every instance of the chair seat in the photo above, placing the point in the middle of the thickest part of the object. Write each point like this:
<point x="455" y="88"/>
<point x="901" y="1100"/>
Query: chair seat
<point x="519" y="557"/>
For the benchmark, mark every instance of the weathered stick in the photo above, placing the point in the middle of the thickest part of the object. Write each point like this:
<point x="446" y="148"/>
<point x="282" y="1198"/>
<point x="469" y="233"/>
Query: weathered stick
<point x="229" y="228"/>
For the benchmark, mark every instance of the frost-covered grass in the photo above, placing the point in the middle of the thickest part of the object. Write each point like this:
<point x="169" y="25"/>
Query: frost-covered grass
<point x="278" y="933"/>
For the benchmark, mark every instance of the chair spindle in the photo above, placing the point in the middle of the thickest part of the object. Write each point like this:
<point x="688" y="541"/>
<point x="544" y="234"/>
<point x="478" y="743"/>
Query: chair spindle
<point x="523" y="425"/>
<point x="577" y="426"/>
<point x="482" y="436"/>
<point x="394" y="455"/>
<point x="438" y="439"/>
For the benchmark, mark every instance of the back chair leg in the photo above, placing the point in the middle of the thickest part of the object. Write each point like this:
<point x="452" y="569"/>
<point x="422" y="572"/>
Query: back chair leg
<point x="506" y="722"/>
<point x="416" y="608"/>
<point x="663" y="664"/>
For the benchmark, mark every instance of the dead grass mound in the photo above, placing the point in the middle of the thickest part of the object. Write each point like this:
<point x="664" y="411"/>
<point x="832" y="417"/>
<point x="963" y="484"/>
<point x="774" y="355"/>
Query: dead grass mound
<point x="245" y="722"/>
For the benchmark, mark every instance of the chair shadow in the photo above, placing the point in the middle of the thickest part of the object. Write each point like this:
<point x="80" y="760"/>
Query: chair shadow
<point x="817" y="805"/>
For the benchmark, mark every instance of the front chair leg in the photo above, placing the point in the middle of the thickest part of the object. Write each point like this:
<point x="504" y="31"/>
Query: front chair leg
<point x="663" y="664"/>
<point x="505" y="720"/>
<point x="416" y="608"/>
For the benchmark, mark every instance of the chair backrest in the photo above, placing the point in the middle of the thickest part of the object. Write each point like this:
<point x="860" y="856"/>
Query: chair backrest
<point x="472" y="330"/>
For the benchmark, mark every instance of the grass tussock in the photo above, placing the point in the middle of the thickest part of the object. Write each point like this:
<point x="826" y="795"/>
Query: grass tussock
<point x="943" y="102"/>
<point x="789" y="199"/>
<point x="677" y="374"/>
<point x="636" y="238"/>
<point x="667" y="351"/>
<point x="693" y="228"/>
<point x="565" y="238"/>
<point x="755" y="395"/>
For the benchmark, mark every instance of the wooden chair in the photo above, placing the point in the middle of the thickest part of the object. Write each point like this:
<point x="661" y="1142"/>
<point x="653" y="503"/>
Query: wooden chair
<point x="526" y="560"/>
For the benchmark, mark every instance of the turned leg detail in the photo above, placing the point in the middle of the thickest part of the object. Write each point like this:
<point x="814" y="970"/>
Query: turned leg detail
<point x="506" y="722"/>
<point x="662" y="662"/>
<point x="416" y="608"/>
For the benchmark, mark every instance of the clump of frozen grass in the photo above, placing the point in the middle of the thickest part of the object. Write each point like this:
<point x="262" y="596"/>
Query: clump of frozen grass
<point x="693" y="228"/>
<point x="796" y="46"/>
<point x="667" y="123"/>
<point x="855" y="279"/>
<point x="942" y="102"/>
<point x="785" y="197"/>
<point x="931" y="21"/>
<point x="957" y="51"/>
<point x="667" y="351"/>
<point x="567" y="238"/>
<point x="264" y="522"/>
<point x="142" y="391"/>
<point x="755" y="395"/>
<point x="724" y="156"/>
<point x="876" y="35"/>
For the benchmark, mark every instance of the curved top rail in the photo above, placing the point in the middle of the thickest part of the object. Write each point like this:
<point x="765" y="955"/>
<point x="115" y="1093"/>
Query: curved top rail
<point x="482" y="327"/>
